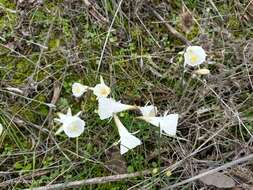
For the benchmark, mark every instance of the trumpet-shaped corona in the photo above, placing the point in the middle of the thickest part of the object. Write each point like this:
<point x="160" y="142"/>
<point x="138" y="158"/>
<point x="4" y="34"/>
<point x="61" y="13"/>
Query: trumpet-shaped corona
<point x="73" y="126"/>
<point x="127" y="140"/>
<point x="194" y="55"/>
<point x="167" y="124"/>
<point x="108" y="106"/>
<point x="101" y="90"/>
<point x="78" y="89"/>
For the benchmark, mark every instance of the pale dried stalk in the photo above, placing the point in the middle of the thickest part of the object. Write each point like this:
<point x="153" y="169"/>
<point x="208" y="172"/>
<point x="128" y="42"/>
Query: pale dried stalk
<point x="96" y="180"/>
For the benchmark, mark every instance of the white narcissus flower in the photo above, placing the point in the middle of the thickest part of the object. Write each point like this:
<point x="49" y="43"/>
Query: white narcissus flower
<point x="108" y="106"/>
<point x="149" y="111"/>
<point x="127" y="140"/>
<point x="1" y="128"/>
<point x="194" y="55"/>
<point x="101" y="90"/>
<point x="73" y="126"/>
<point x="78" y="89"/>
<point x="167" y="124"/>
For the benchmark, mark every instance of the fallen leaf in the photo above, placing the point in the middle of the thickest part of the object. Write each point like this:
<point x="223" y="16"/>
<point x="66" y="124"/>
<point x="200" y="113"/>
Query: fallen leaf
<point x="218" y="179"/>
<point x="115" y="163"/>
<point x="186" y="20"/>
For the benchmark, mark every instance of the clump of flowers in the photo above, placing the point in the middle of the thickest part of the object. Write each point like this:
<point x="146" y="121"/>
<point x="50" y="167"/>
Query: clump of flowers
<point x="74" y="126"/>
<point x="100" y="90"/>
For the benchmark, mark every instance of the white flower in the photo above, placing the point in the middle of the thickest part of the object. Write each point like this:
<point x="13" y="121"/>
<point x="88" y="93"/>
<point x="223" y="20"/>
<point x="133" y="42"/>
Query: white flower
<point x="101" y="90"/>
<point x="127" y="140"/>
<point x="168" y="123"/>
<point x="78" y="89"/>
<point x="108" y="106"/>
<point x="1" y="128"/>
<point x="73" y="126"/>
<point x="194" y="55"/>
<point x="149" y="111"/>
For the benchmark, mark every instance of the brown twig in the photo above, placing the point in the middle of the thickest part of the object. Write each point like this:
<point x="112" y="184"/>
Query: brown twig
<point x="172" y="30"/>
<point x="96" y="180"/>
<point x="55" y="97"/>
<point x="22" y="179"/>
<point x="95" y="13"/>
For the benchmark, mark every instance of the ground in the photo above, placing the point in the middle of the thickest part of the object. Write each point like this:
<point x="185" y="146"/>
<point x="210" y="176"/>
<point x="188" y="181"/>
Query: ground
<point x="46" y="46"/>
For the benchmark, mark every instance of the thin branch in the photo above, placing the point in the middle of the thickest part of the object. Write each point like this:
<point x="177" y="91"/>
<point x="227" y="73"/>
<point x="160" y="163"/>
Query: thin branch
<point x="107" y="37"/>
<point x="96" y="180"/>
<point x="172" y="30"/>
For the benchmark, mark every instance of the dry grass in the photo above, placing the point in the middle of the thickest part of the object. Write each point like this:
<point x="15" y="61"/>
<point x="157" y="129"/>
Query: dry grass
<point x="45" y="47"/>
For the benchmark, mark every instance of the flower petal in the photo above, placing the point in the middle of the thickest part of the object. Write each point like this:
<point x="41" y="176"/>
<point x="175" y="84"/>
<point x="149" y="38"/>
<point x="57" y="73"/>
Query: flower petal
<point x="108" y="106"/>
<point x="167" y="124"/>
<point x="127" y="140"/>
<point x="59" y="130"/>
<point x="101" y="80"/>
<point x="149" y="111"/>
<point x="1" y="128"/>
<point x="69" y="113"/>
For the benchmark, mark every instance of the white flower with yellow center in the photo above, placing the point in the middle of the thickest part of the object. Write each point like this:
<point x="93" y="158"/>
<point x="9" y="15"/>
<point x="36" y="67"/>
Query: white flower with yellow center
<point x="108" y="106"/>
<point x="73" y="126"/>
<point x="1" y="128"/>
<point x="78" y="89"/>
<point x="101" y="90"/>
<point x="194" y="55"/>
<point x="167" y="124"/>
<point x="127" y="140"/>
<point x="149" y="111"/>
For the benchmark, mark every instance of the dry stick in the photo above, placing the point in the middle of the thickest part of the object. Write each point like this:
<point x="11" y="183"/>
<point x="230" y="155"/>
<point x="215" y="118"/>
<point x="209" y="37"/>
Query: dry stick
<point x="107" y="37"/>
<point x="214" y="6"/>
<point x="96" y="180"/>
<point x="172" y="30"/>
<point x="94" y="12"/>
<point x="22" y="179"/>
<point x="223" y="167"/>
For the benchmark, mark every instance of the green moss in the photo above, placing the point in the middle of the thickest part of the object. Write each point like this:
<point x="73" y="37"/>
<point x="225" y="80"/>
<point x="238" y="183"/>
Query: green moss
<point x="8" y="4"/>
<point x="7" y="20"/>
<point x="23" y="69"/>
<point x="233" y="23"/>
<point x="193" y="33"/>
<point x="54" y="43"/>
<point x="25" y="113"/>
